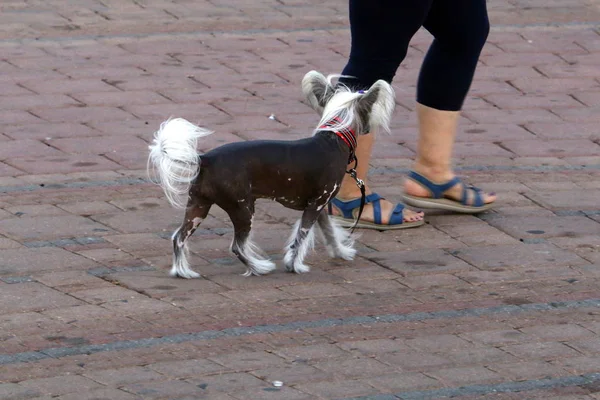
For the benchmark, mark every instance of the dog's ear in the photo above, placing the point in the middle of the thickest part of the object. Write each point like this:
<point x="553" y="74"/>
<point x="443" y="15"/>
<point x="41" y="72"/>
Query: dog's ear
<point x="376" y="106"/>
<point x="317" y="90"/>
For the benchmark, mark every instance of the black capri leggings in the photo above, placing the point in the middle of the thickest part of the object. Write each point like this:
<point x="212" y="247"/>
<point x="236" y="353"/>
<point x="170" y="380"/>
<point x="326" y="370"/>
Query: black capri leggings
<point x="382" y="29"/>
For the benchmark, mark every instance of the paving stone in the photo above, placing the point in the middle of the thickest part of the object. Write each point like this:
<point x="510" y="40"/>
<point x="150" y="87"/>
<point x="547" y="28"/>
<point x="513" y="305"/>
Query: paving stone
<point x="109" y="393"/>
<point x="164" y="389"/>
<point x="311" y="352"/>
<point x="37" y="260"/>
<point x="577" y="200"/>
<point x="44" y="227"/>
<point x="339" y="389"/>
<point x="61" y="384"/>
<point x="466" y="375"/>
<point x="248" y="360"/>
<point x="35" y="210"/>
<point x="259" y="295"/>
<point x="523" y="256"/>
<point x="140" y="221"/>
<point x="586" y="344"/>
<point x="227" y="382"/>
<point x="27" y="148"/>
<point x="69" y="281"/>
<point x="32" y="296"/>
<point x="159" y="284"/>
<point x="552" y="148"/>
<point x="187" y="368"/>
<point x="272" y="393"/>
<point x="540" y="227"/>
<point x="498" y="337"/>
<point x="414" y="361"/>
<point x="315" y="290"/>
<point x="528" y="370"/>
<point x="541" y="350"/>
<point x="62" y="164"/>
<point x="47" y="131"/>
<point x="100" y="145"/>
<point x="291" y="374"/>
<point x="438" y="343"/>
<point x="579" y="365"/>
<point x="560" y="332"/>
<point x="15" y="391"/>
<point x="419" y="262"/>
<point x="485" y="356"/>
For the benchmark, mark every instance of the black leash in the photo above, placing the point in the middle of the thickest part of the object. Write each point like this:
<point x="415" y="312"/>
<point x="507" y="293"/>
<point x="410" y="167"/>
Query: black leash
<point x="361" y="184"/>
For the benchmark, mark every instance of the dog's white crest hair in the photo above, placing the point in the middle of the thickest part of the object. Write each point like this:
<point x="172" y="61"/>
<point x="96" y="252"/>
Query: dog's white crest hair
<point x="339" y="101"/>
<point x="174" y="162"/>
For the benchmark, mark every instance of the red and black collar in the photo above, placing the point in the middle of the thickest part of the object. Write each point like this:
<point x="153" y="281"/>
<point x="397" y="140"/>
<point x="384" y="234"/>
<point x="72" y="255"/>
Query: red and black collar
<point x="346" y="134"/>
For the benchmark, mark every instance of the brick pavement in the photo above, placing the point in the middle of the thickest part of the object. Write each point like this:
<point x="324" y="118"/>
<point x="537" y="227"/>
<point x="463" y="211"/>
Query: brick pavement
<point x="501" y="306"/>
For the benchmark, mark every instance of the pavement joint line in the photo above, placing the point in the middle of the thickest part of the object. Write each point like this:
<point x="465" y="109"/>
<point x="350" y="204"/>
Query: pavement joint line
<point x="212" y="33"/>
<point x="76" y="185"/>
<point x="65" y="242"/>
<point x="58" y="352"/>
<point x="494" y="388"/>
<point x="103" y="271"/>
<point x="373" y="170"/>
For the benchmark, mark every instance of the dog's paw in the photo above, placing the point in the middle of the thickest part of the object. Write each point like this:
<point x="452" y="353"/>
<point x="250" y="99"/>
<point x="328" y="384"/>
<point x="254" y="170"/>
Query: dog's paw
<point x="300" y="268"/>
<point x="344" y="252"/>
<point x="185" y="274"/>
<point x="297" y="267"/>
<point x="260" y="267"/>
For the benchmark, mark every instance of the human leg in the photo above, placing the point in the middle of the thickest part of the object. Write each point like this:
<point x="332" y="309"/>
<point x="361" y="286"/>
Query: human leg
<point x="374" y="25"/>
<point x="460" y="29"/>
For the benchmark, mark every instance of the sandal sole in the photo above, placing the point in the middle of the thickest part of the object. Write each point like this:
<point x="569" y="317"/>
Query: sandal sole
<point x="445" y="204"/>
<point x="347" y="223"/>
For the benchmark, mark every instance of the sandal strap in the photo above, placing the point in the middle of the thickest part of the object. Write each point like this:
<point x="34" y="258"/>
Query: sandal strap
<point x="397" y="215"/>
<point x="437" y="190"/>
<point x="376" y="210"/>
<point x="347" y="207"/>
<point x="477" y="196"/>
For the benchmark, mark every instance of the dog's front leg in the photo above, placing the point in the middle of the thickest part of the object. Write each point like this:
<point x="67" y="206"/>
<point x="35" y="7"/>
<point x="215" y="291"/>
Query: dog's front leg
<point x="301" y="242"/>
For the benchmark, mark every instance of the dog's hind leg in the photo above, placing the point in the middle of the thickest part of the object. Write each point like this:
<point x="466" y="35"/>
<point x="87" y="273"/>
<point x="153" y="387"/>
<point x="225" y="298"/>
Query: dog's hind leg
<point x="301" y="241"/>
<point x="339" y="242"/>
<point x="194" y="214"/>
<point x="242" y="246"/>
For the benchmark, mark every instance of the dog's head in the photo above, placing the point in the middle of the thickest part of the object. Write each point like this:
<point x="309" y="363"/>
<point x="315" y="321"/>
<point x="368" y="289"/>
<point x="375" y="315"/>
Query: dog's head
<point x="364" y="111"/>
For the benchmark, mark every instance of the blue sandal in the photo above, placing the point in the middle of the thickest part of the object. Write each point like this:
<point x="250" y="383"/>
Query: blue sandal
<point x="471" y="201"/>
<point x="349" y="209"/>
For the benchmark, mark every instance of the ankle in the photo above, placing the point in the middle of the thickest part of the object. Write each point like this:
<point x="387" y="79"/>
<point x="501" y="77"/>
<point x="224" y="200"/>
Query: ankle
<point x="349" y="192"/>
<point x="434" y="172"/>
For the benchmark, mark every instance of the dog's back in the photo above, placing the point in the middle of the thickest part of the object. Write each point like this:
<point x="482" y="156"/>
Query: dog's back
<point x="291" y="172"/>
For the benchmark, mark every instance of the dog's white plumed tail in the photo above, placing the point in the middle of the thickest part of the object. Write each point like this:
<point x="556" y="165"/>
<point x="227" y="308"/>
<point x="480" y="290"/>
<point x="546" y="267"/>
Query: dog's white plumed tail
<point x="174" y="161"/>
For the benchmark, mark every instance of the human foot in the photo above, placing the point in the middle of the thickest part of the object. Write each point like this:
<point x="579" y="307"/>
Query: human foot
<point x="447" y="193"/>
<point x="378" y="213"/>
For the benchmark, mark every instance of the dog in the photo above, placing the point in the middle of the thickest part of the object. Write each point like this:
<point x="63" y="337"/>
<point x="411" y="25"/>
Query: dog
<point x="302" y="174"/>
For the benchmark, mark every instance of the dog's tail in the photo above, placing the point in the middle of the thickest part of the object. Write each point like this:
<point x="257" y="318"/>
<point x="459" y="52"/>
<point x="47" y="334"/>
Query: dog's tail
<point x="174" y="162"/>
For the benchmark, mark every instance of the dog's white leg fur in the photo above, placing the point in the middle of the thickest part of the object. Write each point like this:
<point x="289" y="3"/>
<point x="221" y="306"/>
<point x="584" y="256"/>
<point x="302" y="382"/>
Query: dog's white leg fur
<point x="257" y="265"/>
<point x="294" y="257"/>
<point x="338" y="241"/>
<point x="343" y="244"/>
<point x="181" y="267"/>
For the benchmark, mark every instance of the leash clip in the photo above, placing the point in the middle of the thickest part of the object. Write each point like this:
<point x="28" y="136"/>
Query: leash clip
<point x="359" y="182"/>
